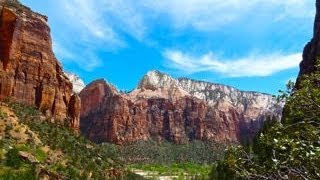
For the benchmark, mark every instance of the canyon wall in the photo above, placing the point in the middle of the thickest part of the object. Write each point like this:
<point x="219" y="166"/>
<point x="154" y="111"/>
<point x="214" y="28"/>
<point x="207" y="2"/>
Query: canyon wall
<point x="178" y="110"/>
<point x="29" y="71"/>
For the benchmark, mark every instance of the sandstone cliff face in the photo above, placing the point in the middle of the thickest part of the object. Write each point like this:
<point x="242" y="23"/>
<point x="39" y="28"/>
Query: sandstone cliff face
<point x="29" y="71"/>
<point x="312" y="50"/>
<point x="177" y="110"/>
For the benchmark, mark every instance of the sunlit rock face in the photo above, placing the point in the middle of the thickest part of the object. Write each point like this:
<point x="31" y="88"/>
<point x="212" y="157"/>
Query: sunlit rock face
<point x="178" y="110"/>
<point x="77" y="82"/>
<point x="29" y="71"/>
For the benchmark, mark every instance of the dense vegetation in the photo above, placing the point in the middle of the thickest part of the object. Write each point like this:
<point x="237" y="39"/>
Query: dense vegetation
<point x="71" y="156"/>
<point x="152" y="152"/>
<point x="193" y="159"/>
<point x="289" y="149"/>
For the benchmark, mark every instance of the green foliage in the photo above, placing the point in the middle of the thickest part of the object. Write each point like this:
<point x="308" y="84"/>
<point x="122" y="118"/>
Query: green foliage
<point x="3" y="115"/>
<point x="13" y="159"/>
<point x="152" y="152"/>
<point x="289" y="149"/>
<point x="168" y="159"/>
<point x="284" y="95"/>
<point x="81" y="159"/>
<point x="22" y="174"/>
<point x="189" y="169"/>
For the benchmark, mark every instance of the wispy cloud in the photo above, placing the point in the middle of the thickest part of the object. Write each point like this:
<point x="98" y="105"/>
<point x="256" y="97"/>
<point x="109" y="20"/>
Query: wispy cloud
<point x="104" y="20"/>
<point x="113" y="19"/>
<point x="213" y="14"/>
<point x="251" y="66"/>
<point x="125" y="16"/>
<point x="61" y="52"/>
<point x="87" y="60"/>
<point x="103" y="26"/>
<point x="89" y="28"/>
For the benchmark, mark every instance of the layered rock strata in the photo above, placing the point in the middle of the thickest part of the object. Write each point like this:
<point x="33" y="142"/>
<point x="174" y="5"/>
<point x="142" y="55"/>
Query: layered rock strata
<point x="178" y="110"/>
<point x="29" y="71"/>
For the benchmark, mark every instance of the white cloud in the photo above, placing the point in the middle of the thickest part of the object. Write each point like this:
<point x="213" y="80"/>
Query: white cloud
<point x="104" y="20"/>
<point x="89" y="28"/>
<point x="200" y="14"/>
<point x="85" y="18"/>
<point x="251" y="66"/>
<point x="87" y="60"/>
<point x="126" y="17"/>
<point x="212" y="14"/>
<point x="295" y="8"/>
<point x="61" y="52"/>
<point x="108" y="20"/>
<point x="104" y="25"/>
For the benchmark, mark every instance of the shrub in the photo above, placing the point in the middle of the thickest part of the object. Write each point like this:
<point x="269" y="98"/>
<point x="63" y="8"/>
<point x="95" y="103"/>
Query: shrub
<point x="3" y="114"/>
<point x="13" y="159"/>
<point x="23" y="174"/>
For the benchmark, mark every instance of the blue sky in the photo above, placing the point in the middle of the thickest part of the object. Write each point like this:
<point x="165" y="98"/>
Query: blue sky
<point x="252" y="45"/>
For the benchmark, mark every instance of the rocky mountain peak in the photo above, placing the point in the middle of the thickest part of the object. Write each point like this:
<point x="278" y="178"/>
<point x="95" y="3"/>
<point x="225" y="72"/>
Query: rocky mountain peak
<point x="94" y="94"/>
<point x="155" y="79"/>
<point x="98" y="90"/>
<point x="156" y="84"/>
<point x="162" y="85"/>
<point x="77" y="82"/>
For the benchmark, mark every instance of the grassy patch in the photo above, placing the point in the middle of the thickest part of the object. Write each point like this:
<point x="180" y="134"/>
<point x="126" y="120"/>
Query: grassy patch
<point x="192" y="160"/>
<point x="187" y="169"/>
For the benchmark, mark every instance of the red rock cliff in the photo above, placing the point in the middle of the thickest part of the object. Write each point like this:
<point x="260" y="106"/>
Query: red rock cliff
<point x="163" y="108"/>
<point x="29" y="71"/>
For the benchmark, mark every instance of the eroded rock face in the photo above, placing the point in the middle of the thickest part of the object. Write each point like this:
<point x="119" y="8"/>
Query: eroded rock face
<point x="312" y="50"/>
<point x="177" y="110"/>
<point x="29" y="71"/>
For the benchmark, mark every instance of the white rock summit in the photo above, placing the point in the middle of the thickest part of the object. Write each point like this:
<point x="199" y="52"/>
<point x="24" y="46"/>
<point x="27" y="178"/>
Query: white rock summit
<point x="158" y="84"/>
<point x="77" y="82"/>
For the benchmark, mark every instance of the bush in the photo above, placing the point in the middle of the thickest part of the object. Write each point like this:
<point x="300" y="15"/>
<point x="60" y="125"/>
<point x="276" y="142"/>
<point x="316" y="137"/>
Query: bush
<point x="24" y="174"/>
<point x="3" y="115"/>
<point x="13" y="159"/>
